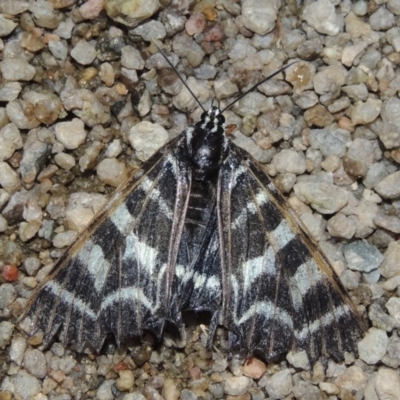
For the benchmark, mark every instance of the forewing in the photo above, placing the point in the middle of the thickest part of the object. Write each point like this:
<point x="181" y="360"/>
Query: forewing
<point x="118" y="276"/>
<point x="279" y="291"/>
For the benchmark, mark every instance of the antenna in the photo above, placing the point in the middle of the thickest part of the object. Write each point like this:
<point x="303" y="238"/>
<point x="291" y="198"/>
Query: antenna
<point x="177" y="73"/>
<point x="257" y="85"/>
<point x="237" y="98"/>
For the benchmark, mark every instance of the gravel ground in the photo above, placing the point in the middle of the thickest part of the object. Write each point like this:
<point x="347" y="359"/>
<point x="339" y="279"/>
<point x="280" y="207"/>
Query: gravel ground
<point x="85" y="98"/>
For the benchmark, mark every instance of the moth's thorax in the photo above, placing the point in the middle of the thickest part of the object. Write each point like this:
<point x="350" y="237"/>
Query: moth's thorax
<point x="207" y="143"/>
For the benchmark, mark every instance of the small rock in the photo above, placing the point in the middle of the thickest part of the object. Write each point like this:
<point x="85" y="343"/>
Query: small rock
<point x="83" y="52"/>
<point x="342" y="226"/>
<point x="362" y="256"/>
<point x="71" y="134"/>
<point x="237" y="385"/>
<point x="254" y="368"/>
<point x="299" y="360"/>
<point x="81" y="209"/>
<point x="290" y="161"/>
<point x="393" y="306"/>
<point x="170" y="390"/>
<point x="26" y="386"/>
<point x="150" y="30"/>
<point x="131" y="58"/>
<point x="373" y="347"/>
<point x="6" y="26"/>
<point x="146" y="138"/>
<point x="365" y="113"/>
<point x="280" y="384"/>
<point x="131" y="14"/>
<point x="196" y="23"/>
<point x="388" y="222"/>
<point x="259" y="16"/>
<point x="352" y="383"/>
<point x="33" y="161"/>
<point x="318" y="116"/>
<point x="17" y="349"/>
<point x="91" y="9"/>
<point x="104" y="392"/>
<point x="321" y="15"/>
<point x="382" y="19"/>
<point x="387" y="384"/>
<point x="330" y="142"/>
<point x="64" y="239"/>
<point x="112" y="172"/>
<point x="64" y="160"/>
<point x="6" y="330"/>
<point x="323" y="197"/>
<point x="35" y="363"/>
<point x="17" y="69"/>
<point x="389" y="134"/>
<point x="9" y="179"/>
<point x="389" y="187"/>
<point x="10" y="140"/>
<point x="125" y="380"/>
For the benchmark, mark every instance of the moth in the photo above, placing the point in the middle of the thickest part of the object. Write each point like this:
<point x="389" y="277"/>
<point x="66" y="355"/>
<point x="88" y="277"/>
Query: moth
<point x="199" y="227"/>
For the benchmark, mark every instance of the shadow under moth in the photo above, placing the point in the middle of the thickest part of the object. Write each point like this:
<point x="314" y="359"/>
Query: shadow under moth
<point x="199" y="227"/>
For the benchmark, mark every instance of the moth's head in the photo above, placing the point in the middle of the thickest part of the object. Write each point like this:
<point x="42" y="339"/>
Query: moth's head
<point x="212" y="120"/>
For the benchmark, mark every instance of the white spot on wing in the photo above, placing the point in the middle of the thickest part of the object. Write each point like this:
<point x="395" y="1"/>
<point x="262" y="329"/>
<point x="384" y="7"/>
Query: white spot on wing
<point x="282" y="234"/>
<point x="69" y="298"/>
<point x="123" y="219"/>
<point x="97" y="265"/>
<point x="156" y="196"/>
<point x="307" y="275"/>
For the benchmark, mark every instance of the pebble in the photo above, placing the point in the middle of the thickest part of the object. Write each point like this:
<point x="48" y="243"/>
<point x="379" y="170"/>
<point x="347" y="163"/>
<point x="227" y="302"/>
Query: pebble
<point x="91" y="9"/>
<point x="134" y="396"/>
<point x="318" y="116"/>
<point x="17" y="349"/>
<point x="393" y="306"/>
<point x="290" y="161"/>
<point x="59" y="49"/>
<point x="111" y="171"/>
<point x="387" y="384"/>
<point x="17" y="69"/>
<point x="237" y="385"/>
<point x="389" y="187"/>
<point x="362" y="256"/>
<point x="331" y="142"/>
<point x="88" y="160"/>
<point x="323" y="197"/>
<point x="350" y="53"/>
<point x="382" y="19"/>
<point x="84" y="53"/>
<point x="81" y="208"/>
<point x="373" y="346"/>
<point x="131" y="14"/>
<point x="357" y="92"/>
<point x="365" y="113"/>
<point x="6" y="330"/>
<point x="298" y="360"/>
<point x="280" y="384"/>
<point x="254" y="368"/>
<point x="7" y="295"/>
<point x="150" y="30"/>
<point x="389" y="133"/>
<point x="259" y="16"/>
<point x="388" y="222"/>
<point x="71" y="134"/>
<point x="26" y="386"/>
<point x="321" y="16"/>
<point x="329" y="78"/>
<point x="352" y="383"/>
<point x="104" y="392"/>
<point x="196" y="23"/>
<point x="64" y="161"/>
<point x="170" y="390"/>
<point x="342" y="226"/>
<point x="10" y="140"/>
<point x="9" y="91"/>
<point x="146" y="138"/>
<point x="33" y="161"/>
<point x="380" y="319"/>
<point x="131" y="58"/>
<point x="125" y="380"/>
<point x="6" y="26"/>
<point x="35" y="363"/>
<point x="64" y="239"/>
<point x="9" y="179"/>
<point x="20" y="113"/>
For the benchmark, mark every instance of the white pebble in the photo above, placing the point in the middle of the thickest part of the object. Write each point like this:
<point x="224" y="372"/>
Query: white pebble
<point x="64" y="160"/>
<point x="71" y="133"/>
<point x="64" y="239"/>
<point x="9" y="179"/>
<point x="17" y="349"/>
<point x="259" y="16"/>
<point x="35" y="363"/>
<point x="17" y="69"/>
<point x="84" y="53"/>
<point x="237" y="385"/>
<point x="10" y="140"/>
<point x="111" y="171"/>
<point x="373" y="347"/>
<point x="146" y="138"/>
<point x="131" y="58"/>
<point x="6" y="329"/>
<point x="114" y="149"/>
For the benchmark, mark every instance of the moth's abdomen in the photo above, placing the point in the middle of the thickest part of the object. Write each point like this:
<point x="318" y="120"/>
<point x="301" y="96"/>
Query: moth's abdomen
<point x="201" y="205"/>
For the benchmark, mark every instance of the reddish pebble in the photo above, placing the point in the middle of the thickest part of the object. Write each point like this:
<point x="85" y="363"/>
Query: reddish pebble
<point x="121" y="366"/>
<point x="254" y="368"/>
<point x="10" y="273"/>
<point x="196" y="23"/>
<point x="195" y="373"/>
<point x="214" y="33"/>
